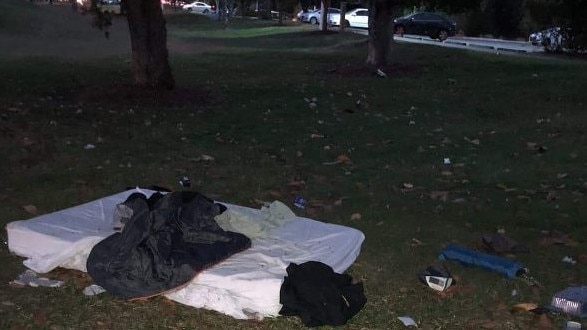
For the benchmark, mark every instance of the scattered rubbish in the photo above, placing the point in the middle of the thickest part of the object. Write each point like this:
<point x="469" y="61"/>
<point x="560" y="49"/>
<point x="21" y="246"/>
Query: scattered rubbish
<point x="407" y="321"/>
<point x="381" y="74"/>
<point x="500" y="243"/>
<point x="93" y="290"/>
<point x="206" y="158"/>
<point x="572" y="325"/>
<point x="184" y="181"/>
<point x="300" y="202"/>
<point x="473" y="141"/>
<point x="31" y="278"/>
<point x="470" y="257"/>
<point x="89" y="146"/>
<point x="446" y="161"/>
<point x="356" y="216"/>
<point x="514" y="292"/>
<point x="572" y="300"/>
<point x="340" y="159"/>
<point x="569" y="260"/>
<point x="532" y="146"/>
<point x="436" y="276"/>
<point x="316" y="136"/>
<point x="408" y="185"/>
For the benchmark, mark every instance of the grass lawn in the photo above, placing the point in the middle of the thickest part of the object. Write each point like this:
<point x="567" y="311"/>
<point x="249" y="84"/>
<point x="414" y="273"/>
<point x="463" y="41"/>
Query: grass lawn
<point x="513" y="128"/>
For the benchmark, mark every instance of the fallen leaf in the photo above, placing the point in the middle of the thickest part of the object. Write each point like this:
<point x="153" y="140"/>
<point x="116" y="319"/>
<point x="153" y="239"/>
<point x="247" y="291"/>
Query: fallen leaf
<point x="556" y="238"/>
<point x="501" y="186"/>
<point x="439" y="195"/>
<point x="344" y="159"/>
<point x="524" y="307"/>
<point x="551" y="196"/>
<point x="416" y="242"/>
<point x="356" y="216"/>
<point x="275" y="194"/>
<point x="296" y="184"/>
<point x="473" y="141"/>
<point x="30" y="209"/>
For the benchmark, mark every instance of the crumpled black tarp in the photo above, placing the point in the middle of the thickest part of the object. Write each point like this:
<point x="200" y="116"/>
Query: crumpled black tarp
<point x="163" y="245"/>
<point x="320" y="296"/>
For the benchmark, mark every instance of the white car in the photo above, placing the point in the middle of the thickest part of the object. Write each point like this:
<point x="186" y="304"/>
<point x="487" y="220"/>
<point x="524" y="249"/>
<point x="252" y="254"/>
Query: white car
<point x="197" y="7"/>
<point x="314" y="17"/>
<point x="358" y="17"/>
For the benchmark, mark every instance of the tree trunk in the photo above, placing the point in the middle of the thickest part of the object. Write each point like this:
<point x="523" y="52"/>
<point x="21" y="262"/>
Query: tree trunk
<point x="148" y="38"/>
<point x="379" y="32"/>
<point x="324" y="4"/>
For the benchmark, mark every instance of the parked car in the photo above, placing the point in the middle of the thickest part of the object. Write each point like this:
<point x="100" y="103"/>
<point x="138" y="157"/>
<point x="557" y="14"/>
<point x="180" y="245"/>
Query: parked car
<point x="198" y="8"/>
<point x="304" y="16"/>
<point x="557" y="39"/>
<point x="427" y="24"/>
<point x="314" y="16"/>
<point x="358" y="17"/>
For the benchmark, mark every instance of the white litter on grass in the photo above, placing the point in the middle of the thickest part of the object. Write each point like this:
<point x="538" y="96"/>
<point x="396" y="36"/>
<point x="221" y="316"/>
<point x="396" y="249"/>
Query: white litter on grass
<point x="446" y="161"/>
<point x="89" y="146"/>
<point x="569" y="260"/>
<point x="407" y="321"/>
<point x="93" y="290"/>
<point x="31" y="278"/>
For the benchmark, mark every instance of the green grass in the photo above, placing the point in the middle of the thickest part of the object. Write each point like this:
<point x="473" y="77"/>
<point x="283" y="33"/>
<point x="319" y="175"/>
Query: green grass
<point x="256" y="124"/>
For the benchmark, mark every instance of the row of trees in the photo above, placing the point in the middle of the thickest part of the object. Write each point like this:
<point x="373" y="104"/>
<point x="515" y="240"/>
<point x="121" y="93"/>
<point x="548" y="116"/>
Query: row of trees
<point x="148" y="33"/>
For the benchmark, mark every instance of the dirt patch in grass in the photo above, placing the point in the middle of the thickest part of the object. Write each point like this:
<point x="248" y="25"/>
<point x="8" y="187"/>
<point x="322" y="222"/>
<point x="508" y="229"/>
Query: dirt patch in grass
<point x="362" y="70"/>
<point x="132" y="95"/>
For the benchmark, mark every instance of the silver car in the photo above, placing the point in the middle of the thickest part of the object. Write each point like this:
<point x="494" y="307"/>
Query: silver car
<point x="313" y="17"/>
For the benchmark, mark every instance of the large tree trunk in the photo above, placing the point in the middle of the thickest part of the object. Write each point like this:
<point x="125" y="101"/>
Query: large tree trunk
<point x="324" y="5"/>
<point x="148" y="38"/>
<point x="379" y="32"/>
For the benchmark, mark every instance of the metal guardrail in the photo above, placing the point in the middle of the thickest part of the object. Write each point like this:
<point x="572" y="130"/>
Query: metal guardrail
<point x="483" y="44"/>
<point x="477" y="43"/>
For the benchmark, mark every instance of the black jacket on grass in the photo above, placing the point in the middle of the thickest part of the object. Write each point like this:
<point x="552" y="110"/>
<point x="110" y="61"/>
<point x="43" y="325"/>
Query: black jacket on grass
<point x="320" y="296"/>
<point x="163" y="245"/>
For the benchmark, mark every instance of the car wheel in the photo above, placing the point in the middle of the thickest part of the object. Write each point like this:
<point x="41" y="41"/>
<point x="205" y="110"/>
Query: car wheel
<point x="313" y="20"/>
<point x="189" y="10"/>
<point x="206" y="11"/>
<point x="400" y="30"/>
<point x="347" y="24"/>
<point x="442" y="35"/>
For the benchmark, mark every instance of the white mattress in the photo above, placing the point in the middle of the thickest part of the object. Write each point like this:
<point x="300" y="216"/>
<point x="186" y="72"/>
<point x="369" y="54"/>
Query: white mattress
<point x="246" y="285"/>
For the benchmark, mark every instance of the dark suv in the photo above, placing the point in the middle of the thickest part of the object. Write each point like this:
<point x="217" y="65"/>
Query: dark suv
<point x="428" y="24"/>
